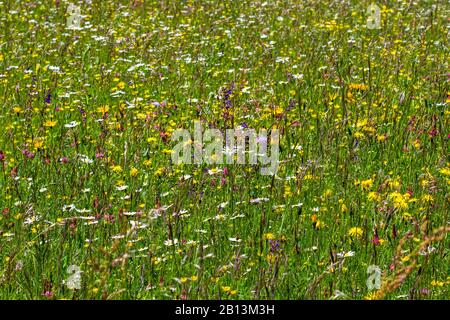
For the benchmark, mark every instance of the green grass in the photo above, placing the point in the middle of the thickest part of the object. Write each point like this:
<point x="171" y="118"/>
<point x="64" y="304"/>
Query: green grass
<point x="364" y="116"/>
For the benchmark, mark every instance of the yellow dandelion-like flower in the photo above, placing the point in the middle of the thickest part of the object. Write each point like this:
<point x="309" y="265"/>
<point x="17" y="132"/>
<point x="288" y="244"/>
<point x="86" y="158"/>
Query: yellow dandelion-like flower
<point x="103" y="109"/>
<point x="358" y="135"/>
<point x="49" y="123"/>
<point x="372" y="296"/>
<point x="278" y="111"/>
<point x="17" y="109"/>
<point x="116" y="168"/>
<point x="134" y="172"/>
<point x="366" y="184"/>
<point x="374" y="196"/>
<point x="269" y="236"/>
<point x="38" y="143"/>
<point x="355" y="232"/>
<point x="399" y="200"/>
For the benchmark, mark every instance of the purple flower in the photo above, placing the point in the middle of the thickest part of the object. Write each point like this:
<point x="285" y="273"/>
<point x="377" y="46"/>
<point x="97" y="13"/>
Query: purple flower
<point x="291" y="104"/>
<point x="274" y="245"/>
<point x="424" y="291"/>
<point x="48" y="98"/>
<point x="28" y="154"/>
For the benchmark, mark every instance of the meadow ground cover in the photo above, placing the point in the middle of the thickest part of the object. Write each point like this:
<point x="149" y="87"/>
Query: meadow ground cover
<point x="93" y="207"/>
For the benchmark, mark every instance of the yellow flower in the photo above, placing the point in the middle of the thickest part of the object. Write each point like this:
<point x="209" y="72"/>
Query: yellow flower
<point x="226" y="288"/>
<point x="194" y="278"/>
<point x="445" y="171"/>
<point x="366" y="184"/>
<point x="381" y="138"/>
<point x="372" y="296"/>
<point x="374" y="196"/>
<point x="394" y="184"/>
<point x="287" y="191"/>
<point x="116" y="168"/>
<point x="215" y="279"/>
<point x="359" y="135"/>
<point x="355" y="232"/>
<point x="399" y="200"/>
<point x="103" y="109"/>
<point x="121" y="85"/>
<point x="133" y="172"/>
<point x="38" y="143"/>
<point x="278" y="111"/>
<point x="49" y="123"/>
<point x="435" y="283"/>
<point x="269" y="236"/>
<point x="319" y="225"/>
<point x="184" y="280"/>
<point x="17" y="109"/>
<point x="427" y="198"/>
<point x="356" y="86"/>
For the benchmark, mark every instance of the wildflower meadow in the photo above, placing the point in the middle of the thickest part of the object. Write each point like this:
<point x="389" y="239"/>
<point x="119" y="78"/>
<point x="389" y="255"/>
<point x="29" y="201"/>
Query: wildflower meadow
<point x="206" y="149"/>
